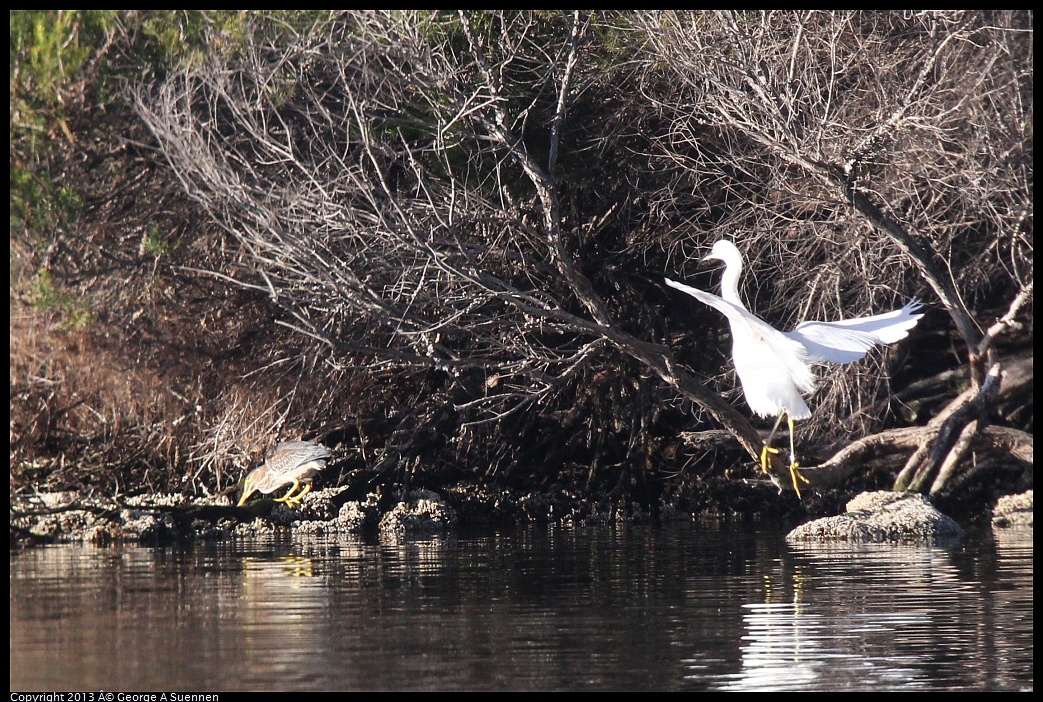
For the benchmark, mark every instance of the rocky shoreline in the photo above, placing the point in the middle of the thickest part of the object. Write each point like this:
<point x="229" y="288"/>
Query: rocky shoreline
<point x="879" y="516"/>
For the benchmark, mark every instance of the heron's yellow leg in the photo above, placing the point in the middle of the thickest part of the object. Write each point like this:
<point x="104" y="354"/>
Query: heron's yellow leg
<point x="286" y="498"/>
<point x="300" y="496"/>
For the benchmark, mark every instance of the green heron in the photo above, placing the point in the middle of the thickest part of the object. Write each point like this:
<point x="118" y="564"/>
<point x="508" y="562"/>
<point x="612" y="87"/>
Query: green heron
<point x="291" y="463"/>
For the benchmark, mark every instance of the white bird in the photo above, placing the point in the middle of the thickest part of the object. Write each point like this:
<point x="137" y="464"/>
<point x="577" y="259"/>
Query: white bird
<point x="774" y="367"/>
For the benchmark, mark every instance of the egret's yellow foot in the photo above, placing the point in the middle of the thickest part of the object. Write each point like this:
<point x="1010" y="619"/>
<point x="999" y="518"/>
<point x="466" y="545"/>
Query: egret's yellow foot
<point x="764" y="457"/>
<point x="795" y="475"/>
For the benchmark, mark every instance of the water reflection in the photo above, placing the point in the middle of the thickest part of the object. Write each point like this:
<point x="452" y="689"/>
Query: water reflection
<point x="674" y="608"/>
<point x="848" y="617"/>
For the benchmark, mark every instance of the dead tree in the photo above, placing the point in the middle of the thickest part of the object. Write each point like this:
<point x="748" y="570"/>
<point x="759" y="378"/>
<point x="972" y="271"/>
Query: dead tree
<point x="392" y="181"/>
<point x="867" y="145"/>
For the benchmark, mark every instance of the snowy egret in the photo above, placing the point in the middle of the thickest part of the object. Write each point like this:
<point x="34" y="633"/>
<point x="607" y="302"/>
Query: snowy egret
<point x="774" y="367"/>
<point x="290" y="463"/>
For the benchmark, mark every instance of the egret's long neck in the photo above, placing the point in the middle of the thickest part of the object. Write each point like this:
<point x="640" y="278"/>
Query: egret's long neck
<point x="730" y="282"/>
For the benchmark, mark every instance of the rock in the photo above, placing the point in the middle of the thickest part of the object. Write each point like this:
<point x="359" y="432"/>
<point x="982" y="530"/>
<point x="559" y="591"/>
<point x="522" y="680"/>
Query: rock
<point x="421" y="510"/>
<point x="882" y="516"/>
<point x="1013" y="511"/>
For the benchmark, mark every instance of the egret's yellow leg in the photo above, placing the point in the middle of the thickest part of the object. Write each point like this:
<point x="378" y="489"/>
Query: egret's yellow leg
<point x="795" y="475"/>
<point x="286" y="498"/>
<point x="768" y="448"/>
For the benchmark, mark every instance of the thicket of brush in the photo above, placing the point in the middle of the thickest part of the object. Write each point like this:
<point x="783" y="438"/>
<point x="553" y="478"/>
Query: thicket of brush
<point x="435" y="241"/>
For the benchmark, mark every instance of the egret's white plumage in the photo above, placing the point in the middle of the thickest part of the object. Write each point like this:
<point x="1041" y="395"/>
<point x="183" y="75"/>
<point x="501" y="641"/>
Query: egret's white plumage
<point x="774" y="367"/>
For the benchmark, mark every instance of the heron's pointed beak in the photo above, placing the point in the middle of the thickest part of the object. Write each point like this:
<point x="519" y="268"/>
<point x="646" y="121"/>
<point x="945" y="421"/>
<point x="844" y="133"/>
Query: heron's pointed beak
<point x="247" y="491"/>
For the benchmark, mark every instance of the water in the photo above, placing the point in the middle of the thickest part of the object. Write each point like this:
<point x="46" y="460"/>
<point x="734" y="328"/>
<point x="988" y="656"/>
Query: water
<point x="679" y="607"/>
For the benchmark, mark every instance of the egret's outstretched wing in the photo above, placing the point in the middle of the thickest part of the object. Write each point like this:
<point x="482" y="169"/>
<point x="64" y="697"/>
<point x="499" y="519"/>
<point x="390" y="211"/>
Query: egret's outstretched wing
<point x="848" y="340"/>
<point x="759" y="349"/>
<point x="775" y="367"/>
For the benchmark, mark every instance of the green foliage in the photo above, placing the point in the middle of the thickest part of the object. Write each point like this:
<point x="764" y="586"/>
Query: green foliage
<point x="186" y="38"/>
<point x="49" y="52"/>
<point x="189" y="38"/>
<point x="45" y="50"/>
<point x="46" y="296"/>
<point x="49" y="49"/>
<point x="154" y="244"/>
<point x="37" y="205"/>
<point x="25" y="191"/>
